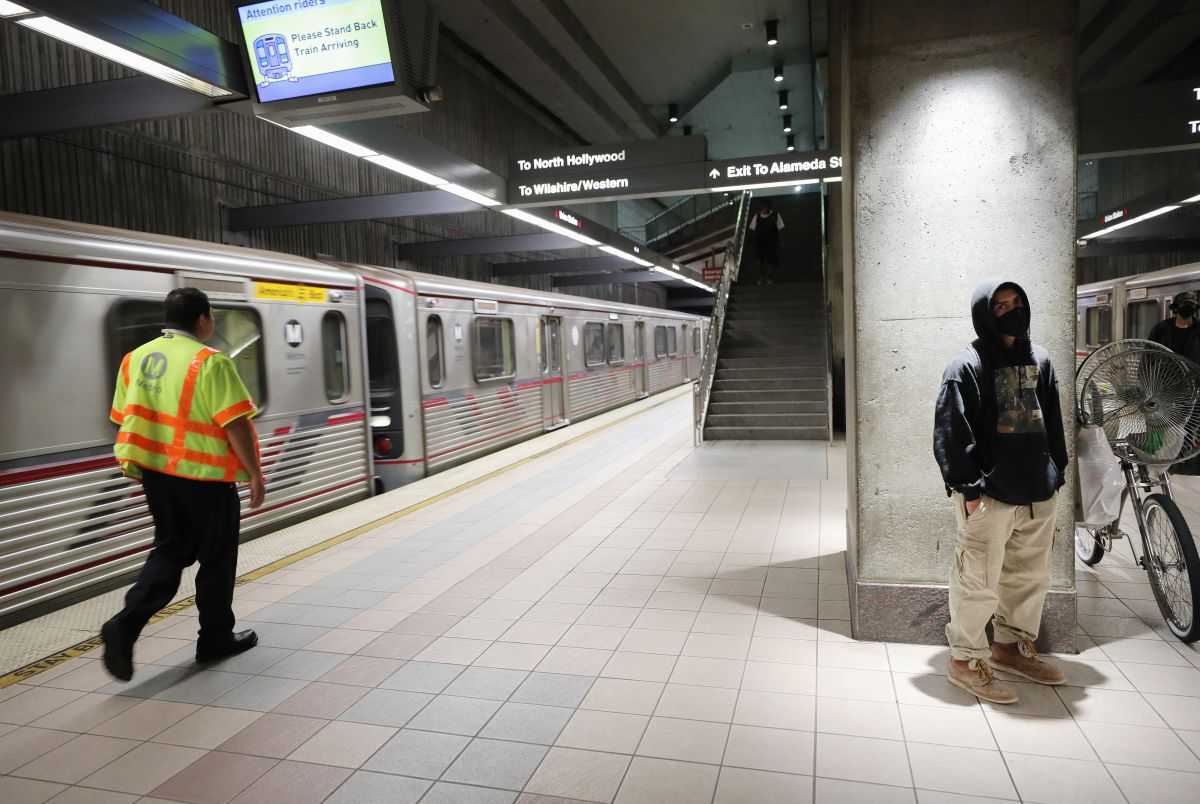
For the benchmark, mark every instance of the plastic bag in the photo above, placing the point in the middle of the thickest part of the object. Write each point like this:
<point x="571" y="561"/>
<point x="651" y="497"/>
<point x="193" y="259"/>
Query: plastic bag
<point x="1101" y="480"/>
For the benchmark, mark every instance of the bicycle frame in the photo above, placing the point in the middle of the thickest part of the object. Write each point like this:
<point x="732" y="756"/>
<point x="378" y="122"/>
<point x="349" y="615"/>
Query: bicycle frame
<point x="1138" y="482"/>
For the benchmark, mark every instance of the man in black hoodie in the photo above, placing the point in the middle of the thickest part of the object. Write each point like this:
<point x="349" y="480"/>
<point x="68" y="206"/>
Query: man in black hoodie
<point x="998" y="438"/>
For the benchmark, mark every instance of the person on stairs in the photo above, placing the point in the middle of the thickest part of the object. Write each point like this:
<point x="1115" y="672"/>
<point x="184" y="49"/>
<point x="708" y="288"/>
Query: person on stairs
<point x="765" y="228"/>
<point x="999" y="441"/>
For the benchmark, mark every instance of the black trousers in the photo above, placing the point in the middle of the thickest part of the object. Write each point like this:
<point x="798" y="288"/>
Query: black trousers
<point x="194" y="520"/>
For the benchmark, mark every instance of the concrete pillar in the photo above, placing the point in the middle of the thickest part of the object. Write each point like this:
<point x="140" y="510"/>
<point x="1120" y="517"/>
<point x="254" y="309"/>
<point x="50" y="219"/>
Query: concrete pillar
<point x="960" y="138"/>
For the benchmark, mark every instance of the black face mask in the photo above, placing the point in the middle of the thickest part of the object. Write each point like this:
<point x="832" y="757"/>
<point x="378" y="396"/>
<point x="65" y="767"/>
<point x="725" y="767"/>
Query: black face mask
<point x="1187" y="311"/>
<point x="1015" y="322"/>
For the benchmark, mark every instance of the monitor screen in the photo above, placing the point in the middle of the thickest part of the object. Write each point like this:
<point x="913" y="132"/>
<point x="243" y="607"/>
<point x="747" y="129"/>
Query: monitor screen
<point x="315" y="47"/>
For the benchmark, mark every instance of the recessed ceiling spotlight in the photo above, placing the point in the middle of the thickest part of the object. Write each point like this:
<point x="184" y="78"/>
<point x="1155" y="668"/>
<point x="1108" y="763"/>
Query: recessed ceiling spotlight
<point x="791" y="142"/>
<point x="779" y="71"/>
<point x="783" y="99"/>
<point x="787" y="124"/>
<point x="772" y="27"/>
<point x="673" y="112"/>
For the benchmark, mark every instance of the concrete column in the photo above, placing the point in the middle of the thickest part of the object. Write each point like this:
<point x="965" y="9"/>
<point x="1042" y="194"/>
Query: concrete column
<point x="960" y="138"/>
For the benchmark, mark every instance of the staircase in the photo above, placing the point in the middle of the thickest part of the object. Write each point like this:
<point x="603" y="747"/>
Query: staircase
<point x="771" y="379"/>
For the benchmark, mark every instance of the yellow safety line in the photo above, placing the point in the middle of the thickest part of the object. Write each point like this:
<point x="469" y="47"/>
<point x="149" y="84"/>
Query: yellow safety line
<point x="42" y="665"/>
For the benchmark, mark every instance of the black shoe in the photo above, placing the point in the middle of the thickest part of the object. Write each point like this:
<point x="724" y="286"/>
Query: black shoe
<point x="118" y="651"/>
<point x="232" y="645"/>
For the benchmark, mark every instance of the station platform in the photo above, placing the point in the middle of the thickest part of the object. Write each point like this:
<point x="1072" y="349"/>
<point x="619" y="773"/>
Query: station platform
<point x="604" y="614"/>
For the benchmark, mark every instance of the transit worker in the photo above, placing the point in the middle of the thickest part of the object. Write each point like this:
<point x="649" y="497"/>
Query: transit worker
<point x="185" y="433"/>
<point x="1180" y="333"/>
<point x="766" y="226"/>
<point x="998" y="438"/>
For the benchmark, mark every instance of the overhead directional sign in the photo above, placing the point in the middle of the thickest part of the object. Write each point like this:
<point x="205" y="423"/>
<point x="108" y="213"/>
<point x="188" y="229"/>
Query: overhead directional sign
<point x="672" y="166"/>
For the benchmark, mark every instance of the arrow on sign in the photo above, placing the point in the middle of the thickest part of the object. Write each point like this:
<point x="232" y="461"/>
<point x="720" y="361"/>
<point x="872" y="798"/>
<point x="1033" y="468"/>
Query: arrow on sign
<point x="714" y="173"/>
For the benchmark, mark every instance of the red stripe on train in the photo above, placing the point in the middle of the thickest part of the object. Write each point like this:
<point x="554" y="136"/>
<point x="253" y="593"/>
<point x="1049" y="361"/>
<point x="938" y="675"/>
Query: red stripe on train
<point x="15" y="476"/>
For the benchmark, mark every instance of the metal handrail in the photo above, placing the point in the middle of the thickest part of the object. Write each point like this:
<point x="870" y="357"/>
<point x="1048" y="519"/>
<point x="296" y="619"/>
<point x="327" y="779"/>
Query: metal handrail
<point x="702" y="390"/>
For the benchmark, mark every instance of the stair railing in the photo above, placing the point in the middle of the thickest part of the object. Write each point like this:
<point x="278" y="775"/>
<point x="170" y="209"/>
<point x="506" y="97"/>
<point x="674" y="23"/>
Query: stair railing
<point x="702" y="389"/>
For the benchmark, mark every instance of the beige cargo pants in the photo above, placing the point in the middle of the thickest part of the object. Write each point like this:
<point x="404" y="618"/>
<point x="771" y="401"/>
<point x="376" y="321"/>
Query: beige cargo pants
<point x="1001" y="570"/>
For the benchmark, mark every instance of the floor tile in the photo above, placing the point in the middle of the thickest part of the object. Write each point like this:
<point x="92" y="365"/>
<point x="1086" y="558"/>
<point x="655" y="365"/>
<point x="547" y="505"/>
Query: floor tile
<point x="770" y="749"/>
<point x="76" y="759"/>
<point x="1054" y="780"/>
<point x="273" y="735"/>
<point x="781" y="650"/>
<point x="86" y="713"/>
<point x="449" y="793"/>
<point x="775" y="677"/>
<point x="532" y="723"/>
<point x="513" y="655"/>
<point x="1152" y="785"/>
<point x="862" y="759"/>
<point x="968" y="771"/>
<point x="965" y="727"/>
<point x="365" y="787"/>
<point x="653" y="781"/>
<point x="553" y="689"/>
<point x="27" y="791"/>
<point x="320" y="699"/>
<point x="648" y="640"/>
<point x="23" y="745"/>
<point x="455" y="715"/>
<point x="689" y="740"/>
<point x="1110" y="706"/>
<point x="603" y="731"/>
<point x="640" y="666"/>
<point x="1052" y="737"/>
<point x="260" y="693"/>
<point x="575" y="774"/>
<point x="708" y="672"/>
<point x="696" y="703"/>
<point x="422" y="677"/>
<point x="363" y="671"/>
<point x="574" y="661"/>
<point x="1139" y="745"/>
<point x="775" y="710"/>
<point x="345" y="744"/>
<point x="214" y="778"/>
<point x="496" y="763"/>
<point x="859" y="718"/>
<point x="623" y="695"/>
<point x="486" y="682"/>
<point x="306" y="665"/>
<point x="84" y="795"/>
<point x="742" y="786"/>
<point x="34" y="703"/>
<point x="144" y="768"/>
<point x="207" y="727"/>
<point x="417" y="753"/>
<point x="867" y="685"/>
<point x="295" y="783"/>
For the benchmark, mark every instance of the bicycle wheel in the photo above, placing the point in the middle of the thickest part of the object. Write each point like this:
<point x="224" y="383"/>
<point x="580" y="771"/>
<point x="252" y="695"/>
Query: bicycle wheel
<point x="1087" y="546"/>
<point x="1172" y="564"/>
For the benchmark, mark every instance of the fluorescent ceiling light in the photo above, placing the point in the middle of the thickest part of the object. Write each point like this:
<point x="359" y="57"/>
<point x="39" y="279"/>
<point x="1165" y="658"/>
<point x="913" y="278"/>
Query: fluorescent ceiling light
<point x="470" y="195"/>
<point x="616" y="252"/>
<point x="1131" y="221"/>
<point x="659" y="270"/>
<point x="1190" y="200"/>
<point x="550" y="226"/>
<point x="405" y="169"/>
<point x="8" y="9"/>
<point x="763" y="185"/>
<point x="333" y="140"/>
<point x="832" y="179"/>
<point x="134" y="61"/>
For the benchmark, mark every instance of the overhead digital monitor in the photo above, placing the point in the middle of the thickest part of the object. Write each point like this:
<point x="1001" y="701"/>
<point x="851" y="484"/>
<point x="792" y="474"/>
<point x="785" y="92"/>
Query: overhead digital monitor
<point x="300" y="48"/>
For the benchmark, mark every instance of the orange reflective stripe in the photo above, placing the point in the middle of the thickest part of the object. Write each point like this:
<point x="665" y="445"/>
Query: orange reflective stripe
<point x="172" y="454"/>
<point x="185" y="407"/>
<point x="158" y="417"/>
<point x="125" y="368"/>
<point x="233" y="411"/>
<point x="117" y="416"/>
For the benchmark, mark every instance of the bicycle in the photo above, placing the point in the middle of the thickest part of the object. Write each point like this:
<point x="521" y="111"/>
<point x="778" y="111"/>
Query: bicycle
<point x="1146" y="399"/>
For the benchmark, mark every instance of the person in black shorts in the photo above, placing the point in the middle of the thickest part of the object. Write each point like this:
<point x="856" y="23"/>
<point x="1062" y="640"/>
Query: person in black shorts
<point x="765" y="228"/>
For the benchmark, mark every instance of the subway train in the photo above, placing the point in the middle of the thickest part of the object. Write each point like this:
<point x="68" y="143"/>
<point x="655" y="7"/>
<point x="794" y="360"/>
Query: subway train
<point x="367" y="379"/>
<point x="1128" y="307"/>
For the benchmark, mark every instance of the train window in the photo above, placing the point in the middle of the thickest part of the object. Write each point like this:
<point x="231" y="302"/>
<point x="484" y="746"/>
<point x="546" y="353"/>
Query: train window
<point x="433" y="347"/>
<point x="672" y="343"/>
<point x="660" y="341"/>
<point x="616" y="343"/>
<point x="593" y="343"/>
<point x="1098" y="327"/>
<point x="381" y="347"/>
<point x="1140" y="318"/>
<point x="333" y="353"/>
<point x="495" y="354"/>
<point x="695" y="340"/>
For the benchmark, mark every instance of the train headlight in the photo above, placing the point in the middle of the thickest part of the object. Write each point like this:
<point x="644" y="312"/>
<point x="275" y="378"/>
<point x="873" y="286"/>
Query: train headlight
<point x="383" y="446"/>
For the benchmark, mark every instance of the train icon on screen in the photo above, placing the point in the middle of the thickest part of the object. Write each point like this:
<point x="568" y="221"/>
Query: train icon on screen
<point x="274" y="60"/>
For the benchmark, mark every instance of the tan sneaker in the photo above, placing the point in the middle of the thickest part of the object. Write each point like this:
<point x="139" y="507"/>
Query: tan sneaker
<point x="1026" y="664"/>
<point x="978" y="680"/>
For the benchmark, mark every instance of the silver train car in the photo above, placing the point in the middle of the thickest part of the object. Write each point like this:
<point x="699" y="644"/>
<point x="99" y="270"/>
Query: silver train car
<point x="367" y="379"/>
<point x="1128" y="307"/>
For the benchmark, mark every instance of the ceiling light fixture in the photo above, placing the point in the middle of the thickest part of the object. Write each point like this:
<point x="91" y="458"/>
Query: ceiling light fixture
<point x="787" y="124"/>
<point x="616" y="252"/>
<point x="8" y="9"/>
<point x="550" y="226"/>
<point x="673" y="112"/>
<point x="405" y="169"/>
<point x="470" y="195"/>
<point x="1191" y="200"/>
<point x="779" y="71"/>
<point x="107" y="50"/>
<point x="772" y="27"/>
<point x="1131" y="221"/>
<point x="783" y="104"/>
<point x="334" y="141"/>
<point x="791" y="142"/>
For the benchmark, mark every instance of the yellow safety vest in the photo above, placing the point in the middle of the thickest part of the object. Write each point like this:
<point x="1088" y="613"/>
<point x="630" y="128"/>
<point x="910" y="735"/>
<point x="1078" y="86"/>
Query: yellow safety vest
<point x="173" y="398"/>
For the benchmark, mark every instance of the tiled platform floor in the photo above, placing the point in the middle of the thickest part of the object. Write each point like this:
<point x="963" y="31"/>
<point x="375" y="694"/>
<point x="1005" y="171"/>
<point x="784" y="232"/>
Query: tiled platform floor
<point x="589" y="626"/>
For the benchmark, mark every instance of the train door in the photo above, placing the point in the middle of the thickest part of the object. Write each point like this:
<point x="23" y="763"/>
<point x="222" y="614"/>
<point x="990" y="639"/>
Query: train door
<point x="383" y="366"/>
<point x="551" y="364"/>
<point x="640" y="367"/>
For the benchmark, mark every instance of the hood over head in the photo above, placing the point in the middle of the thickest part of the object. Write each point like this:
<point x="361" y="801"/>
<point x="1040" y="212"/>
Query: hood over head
<point x="985" y="321"/>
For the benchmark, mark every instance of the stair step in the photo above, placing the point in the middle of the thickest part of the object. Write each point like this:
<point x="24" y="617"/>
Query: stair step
<point x="767" y="397"/>
<point x="765" y="420"/>
<point x="769" y="384"/>
<point x="782" y="407"/>
<point x="804" y="359"/>
<point x="766" y="433"/>
<point x="735" y="351"/>
<point x="815" y="372"/>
